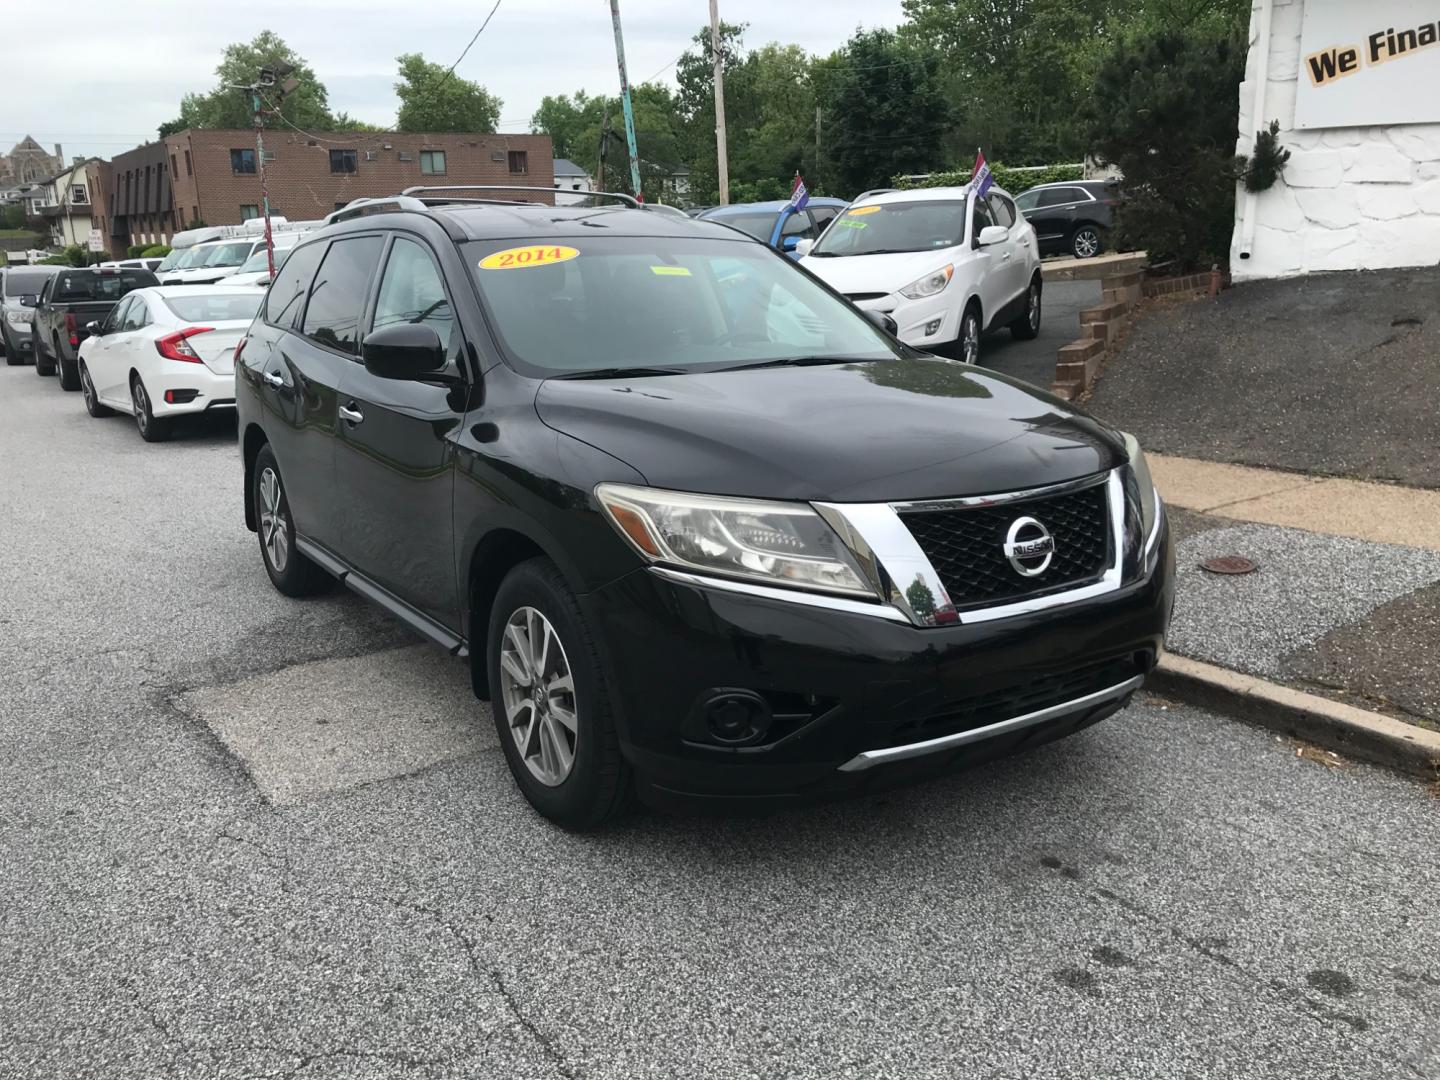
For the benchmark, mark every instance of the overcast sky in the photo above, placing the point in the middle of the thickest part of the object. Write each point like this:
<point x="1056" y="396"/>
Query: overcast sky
<point x="118" y="69"/>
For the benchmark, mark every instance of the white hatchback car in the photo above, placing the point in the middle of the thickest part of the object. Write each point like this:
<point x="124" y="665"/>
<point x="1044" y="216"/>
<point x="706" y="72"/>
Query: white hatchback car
<point x="165" y="352"/>
<point x="945" y="263"/>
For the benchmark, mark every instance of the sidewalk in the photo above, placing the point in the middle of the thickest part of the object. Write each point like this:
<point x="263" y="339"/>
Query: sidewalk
<point x="1345" y="600"/>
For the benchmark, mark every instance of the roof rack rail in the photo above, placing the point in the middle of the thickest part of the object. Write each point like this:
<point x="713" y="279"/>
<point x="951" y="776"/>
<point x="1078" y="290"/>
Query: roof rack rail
<point x="357" y="207"/>
<point x="874" y="191"/>
<point x="628" y="200"/>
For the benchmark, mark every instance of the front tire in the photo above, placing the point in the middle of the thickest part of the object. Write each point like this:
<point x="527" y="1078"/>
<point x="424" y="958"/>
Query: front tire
<point x="967" y="345"/>
<point x="92" y="399"/>
<point x="551" y="705"/>
<point x="1027" y="326"/>
<point x="12" y="354"/>
<point x="152" y="428"/>
<point x="289" y="570"/>
<point x="1086" y="242"/>
<point x="42" y="366"/>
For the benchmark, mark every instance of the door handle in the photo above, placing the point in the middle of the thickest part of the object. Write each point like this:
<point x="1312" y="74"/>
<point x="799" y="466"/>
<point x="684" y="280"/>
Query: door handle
<point x="354" y="416"/>
<point x="272" y="378"/>
<point x="1006" y="257"/>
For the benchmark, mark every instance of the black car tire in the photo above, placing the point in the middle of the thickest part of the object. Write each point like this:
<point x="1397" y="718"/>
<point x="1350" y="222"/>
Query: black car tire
<point x="1086" y="242"/>
<point x="1027" y="326"/>
<point x="296" y="575"/>
<point x="151" y="427"/>
<point x="42" y="365"/>
<point x="68" y="372"/>
<point x="92" y="399"/>
<point x="966" y="344"/>
<point x="599" y="784"/>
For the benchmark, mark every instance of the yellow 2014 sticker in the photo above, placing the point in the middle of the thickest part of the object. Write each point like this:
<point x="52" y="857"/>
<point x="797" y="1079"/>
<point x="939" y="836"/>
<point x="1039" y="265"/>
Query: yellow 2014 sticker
<point x="857" y="211"/>
<point x="670" y="271"/>
<point x="521" y="257"/>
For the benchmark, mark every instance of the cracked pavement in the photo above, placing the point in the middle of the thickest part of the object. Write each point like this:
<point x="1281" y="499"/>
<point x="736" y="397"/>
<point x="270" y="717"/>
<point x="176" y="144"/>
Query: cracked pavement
<point x="1167" y="894"/>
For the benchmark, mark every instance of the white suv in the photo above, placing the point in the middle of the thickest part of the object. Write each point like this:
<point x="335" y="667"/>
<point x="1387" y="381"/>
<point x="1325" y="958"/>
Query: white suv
<point x="944" y="263"/>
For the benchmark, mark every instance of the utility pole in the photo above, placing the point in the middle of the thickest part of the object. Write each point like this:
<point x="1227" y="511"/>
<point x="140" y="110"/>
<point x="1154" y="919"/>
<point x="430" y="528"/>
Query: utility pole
<point x="722" y="163"/>
<point x="625" y="101"/>
<point x="815" y="176"/>
<point x="604" y="145"/>
<point x="264" y="187"/>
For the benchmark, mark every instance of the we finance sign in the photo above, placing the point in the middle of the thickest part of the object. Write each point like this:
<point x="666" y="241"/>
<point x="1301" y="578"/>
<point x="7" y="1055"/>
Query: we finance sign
<point x="1376" y="62"/>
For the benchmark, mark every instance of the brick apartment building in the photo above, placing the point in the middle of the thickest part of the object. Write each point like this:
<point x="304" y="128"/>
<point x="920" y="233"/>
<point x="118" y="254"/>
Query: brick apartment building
<point x="212" y="176"/>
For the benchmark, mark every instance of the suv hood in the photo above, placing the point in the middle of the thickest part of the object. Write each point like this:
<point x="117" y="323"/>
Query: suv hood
<point x="879" y="273"/>
<point x="880" y="431"/>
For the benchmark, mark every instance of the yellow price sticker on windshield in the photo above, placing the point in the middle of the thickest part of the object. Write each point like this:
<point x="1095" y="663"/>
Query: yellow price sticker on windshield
<point x="670" y="271"/>
<point x="521" y="257"/>
<point x="856" y="211"/>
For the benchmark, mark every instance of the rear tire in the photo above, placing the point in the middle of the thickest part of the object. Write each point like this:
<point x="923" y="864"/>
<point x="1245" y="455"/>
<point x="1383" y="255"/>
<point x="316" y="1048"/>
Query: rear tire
<point x="1027" y="326"/>
<point x="92" y="399"/>
<point x="595" y="785"/>
<point x="1086" y="242"/>
<point x="289" y="570"/>
<point x="152" y="428"/>
<point x="68" y="371"/>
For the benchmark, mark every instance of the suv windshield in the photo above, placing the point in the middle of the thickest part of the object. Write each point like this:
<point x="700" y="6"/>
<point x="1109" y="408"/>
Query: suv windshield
<point x="172" y="260"/>
<point x="259" y="264"/>
<point x="595" y="304"/>
<point x="228" y="254"/>
<point x="190" y="257"/>
<point x="882" y="228"/>
<point x="25" y="282"/>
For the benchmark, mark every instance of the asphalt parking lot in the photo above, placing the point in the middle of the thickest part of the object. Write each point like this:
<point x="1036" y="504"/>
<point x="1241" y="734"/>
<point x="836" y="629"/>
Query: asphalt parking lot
<point x="1034" y="361"/>
<point x="244" y="836"/>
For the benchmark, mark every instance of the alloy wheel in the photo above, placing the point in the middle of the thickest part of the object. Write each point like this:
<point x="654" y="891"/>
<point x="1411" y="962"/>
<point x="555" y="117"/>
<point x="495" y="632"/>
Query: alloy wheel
<point x="1032" y="307"/>
<point x="274" y="528"/>
<point x="1087" y="244"/>
<point x="87" y="388"/>
<point x="970" y="338"/>
<point x="537" y="692"/>
<point x="142" y="406"/>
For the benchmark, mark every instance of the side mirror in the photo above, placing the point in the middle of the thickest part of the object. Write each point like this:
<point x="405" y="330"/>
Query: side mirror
<point x="789" y="243"/>
<point x="94" y="329"/>
<point x="28" y="301"/>
<point x="883" y="321"/>
<point x="407" y="351"/>
<point x="803" y="247"/>
<point x="992" y="234"/>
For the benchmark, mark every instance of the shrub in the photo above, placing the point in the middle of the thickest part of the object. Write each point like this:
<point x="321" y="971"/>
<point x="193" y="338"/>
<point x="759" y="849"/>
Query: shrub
<point x="134" y="251"/>
<point x="1165" y="110"/>
<point x="154" y="251"/>
<point x="1012" y="180"/>
<point x="74" y="255"/>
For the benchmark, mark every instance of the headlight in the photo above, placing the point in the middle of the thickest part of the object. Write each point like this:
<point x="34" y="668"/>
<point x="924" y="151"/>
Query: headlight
<point x="928" y="285"/>
<point x="777" y="543"/>
<point x="19" y="318"/>
<point x="1146" y="493"/>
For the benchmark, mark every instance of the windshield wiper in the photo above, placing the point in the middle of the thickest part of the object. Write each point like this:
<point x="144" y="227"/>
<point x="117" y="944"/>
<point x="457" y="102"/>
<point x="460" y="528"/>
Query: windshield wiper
<point x="623" y="372"/>
<point x="792" y="361"/>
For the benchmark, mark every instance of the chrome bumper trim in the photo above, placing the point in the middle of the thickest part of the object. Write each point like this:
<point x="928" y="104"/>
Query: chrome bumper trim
<point x="870" y="758"/>
<point x="789" y="596"/>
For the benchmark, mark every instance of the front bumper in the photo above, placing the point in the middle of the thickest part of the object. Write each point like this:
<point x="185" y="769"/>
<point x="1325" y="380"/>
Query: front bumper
<point x="913" y="318"/>
<point x="849" y="689"/>
<point x="211" y="390"/>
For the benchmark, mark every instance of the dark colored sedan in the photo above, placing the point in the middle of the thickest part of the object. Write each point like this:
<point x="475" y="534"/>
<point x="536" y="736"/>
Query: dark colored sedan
<point x="701" y="528"/>
<point x="1072" y="217"/>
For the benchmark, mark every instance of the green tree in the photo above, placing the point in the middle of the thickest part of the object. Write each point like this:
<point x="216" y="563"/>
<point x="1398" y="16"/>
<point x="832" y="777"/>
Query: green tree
<point x="884" y="113"/>
<point x="307" y="106"/>
<point x="1164" y="110"/>
<point x="434" y="99"/>
<point x="575" y="122"/>
<point x="343" y="121"/>
<point x="564" y="117"/>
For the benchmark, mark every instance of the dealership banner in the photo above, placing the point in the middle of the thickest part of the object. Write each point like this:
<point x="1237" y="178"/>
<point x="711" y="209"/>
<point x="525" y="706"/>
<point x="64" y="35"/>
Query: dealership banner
<point x="1376" y="62"/>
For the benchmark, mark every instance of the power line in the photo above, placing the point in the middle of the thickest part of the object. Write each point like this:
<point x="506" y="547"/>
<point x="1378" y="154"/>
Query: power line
<point x="451" y="69"/>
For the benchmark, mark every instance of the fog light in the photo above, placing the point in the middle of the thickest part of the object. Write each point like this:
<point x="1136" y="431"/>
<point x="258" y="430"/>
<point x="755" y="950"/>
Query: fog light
<point x="737" y="718"/>
<point x="932" y="327"/>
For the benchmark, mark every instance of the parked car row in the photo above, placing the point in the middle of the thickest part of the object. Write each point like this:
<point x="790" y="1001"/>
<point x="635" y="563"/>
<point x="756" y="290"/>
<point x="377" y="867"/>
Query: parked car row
<point x="703" y="528"/>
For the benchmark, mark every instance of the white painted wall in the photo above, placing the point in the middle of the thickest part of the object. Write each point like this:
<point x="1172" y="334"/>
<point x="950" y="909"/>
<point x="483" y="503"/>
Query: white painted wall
<point x="1362" y="198"/>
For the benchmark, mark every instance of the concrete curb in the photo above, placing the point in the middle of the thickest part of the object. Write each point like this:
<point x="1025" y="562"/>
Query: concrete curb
<point x="1357" y="733"/>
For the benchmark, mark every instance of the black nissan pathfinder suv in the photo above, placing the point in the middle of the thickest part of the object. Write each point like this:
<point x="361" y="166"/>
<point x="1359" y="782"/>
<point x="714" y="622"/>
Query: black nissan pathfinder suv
<point x="701" y="527"/>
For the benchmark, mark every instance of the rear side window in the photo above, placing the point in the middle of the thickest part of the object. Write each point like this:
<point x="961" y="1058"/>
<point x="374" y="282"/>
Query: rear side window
<point x="286" y="297"/>
<point x="337" y="299"/>
<point x="1062" y="196"/>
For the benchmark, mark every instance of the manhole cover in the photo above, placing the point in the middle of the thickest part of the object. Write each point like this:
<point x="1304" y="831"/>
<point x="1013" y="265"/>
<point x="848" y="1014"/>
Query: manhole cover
<point x="1228" y="564"/>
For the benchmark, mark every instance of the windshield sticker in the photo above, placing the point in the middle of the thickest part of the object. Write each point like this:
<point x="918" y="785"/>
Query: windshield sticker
<point x="537" y="255"/>
<point x="846" y="224"/>
<point x="858" y="211"/>
<point x="670" y="271"/>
